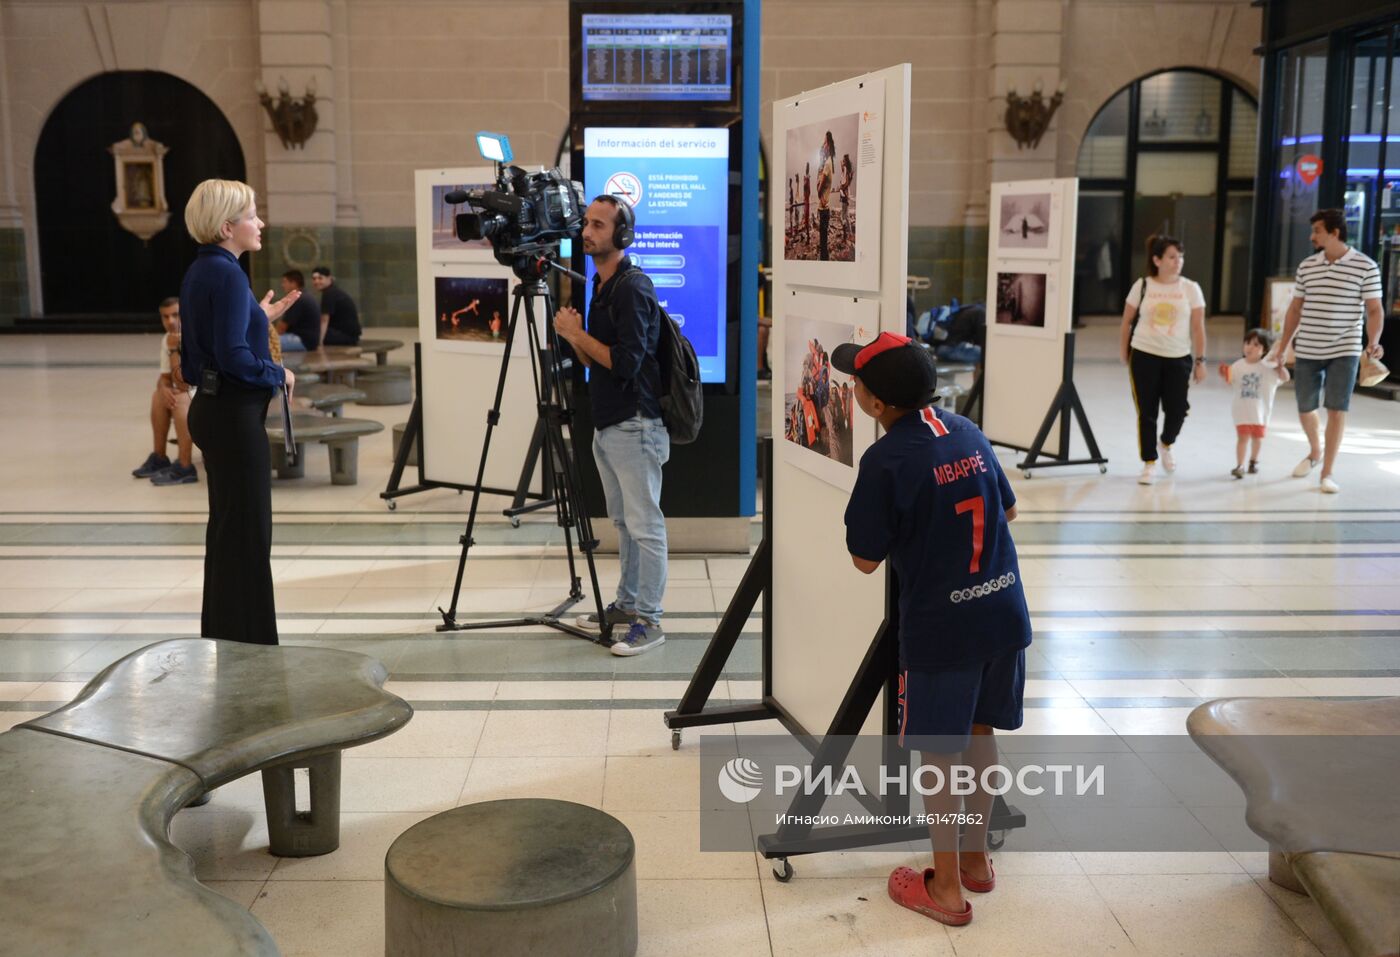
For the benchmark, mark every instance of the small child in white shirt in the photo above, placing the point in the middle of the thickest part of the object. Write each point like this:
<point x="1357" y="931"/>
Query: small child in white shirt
<point x="1254" y="382"/>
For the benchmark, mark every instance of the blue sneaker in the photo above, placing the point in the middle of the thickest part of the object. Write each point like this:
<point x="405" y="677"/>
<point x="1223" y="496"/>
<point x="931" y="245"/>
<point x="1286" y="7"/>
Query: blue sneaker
<point x="153" y="464"/>
<point x="176" y="474"/>
<point x="615" y="616"/>
<point x="642" y="636"/>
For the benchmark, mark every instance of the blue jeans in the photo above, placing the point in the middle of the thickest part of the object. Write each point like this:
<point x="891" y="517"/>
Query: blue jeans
<point x="629" y="456"/>
<point x="291" y="342"/>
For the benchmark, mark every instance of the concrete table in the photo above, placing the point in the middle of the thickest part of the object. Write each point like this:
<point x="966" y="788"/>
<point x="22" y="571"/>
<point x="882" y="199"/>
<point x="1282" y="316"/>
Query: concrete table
<point x="380" y="348"/>
<point x="327" y="397"/>
<point x="341" y="437"/>
<point x="526" y="876"/>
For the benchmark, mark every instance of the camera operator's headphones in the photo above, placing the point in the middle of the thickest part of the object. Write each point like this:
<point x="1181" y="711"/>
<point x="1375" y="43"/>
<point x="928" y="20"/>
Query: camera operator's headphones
<point x="625" y="231"/>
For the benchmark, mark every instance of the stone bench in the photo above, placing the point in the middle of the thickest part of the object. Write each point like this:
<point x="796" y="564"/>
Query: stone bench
<point x="380" y="348"/>
<point x="386" y="385"/>
<point x="339" y="369"/>
<point x="87" y="793"/>
<point x="1320" y="780"/>
<point x="502" y="878"/>
<point x="341" y="437"/>
<point x="327" y="397"/>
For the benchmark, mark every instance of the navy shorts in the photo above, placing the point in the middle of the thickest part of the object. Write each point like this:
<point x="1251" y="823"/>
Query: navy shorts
<point x="937" y="709"/>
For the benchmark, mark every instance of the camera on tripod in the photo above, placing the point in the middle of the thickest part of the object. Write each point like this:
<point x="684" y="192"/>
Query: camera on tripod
<point x="525" y="217"/>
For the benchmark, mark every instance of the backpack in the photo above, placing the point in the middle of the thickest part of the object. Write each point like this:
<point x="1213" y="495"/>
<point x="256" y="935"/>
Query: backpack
<point x="682" y="397"/>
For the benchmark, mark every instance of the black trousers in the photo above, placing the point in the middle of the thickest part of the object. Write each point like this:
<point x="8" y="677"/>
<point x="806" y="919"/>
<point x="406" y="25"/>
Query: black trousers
<point x="1159" y="386"/>
<point x="230" y="431"/>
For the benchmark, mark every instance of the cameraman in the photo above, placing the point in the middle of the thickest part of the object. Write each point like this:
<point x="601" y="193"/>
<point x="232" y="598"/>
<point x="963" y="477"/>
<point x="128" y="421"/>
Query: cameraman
<point x="631" y="443"/>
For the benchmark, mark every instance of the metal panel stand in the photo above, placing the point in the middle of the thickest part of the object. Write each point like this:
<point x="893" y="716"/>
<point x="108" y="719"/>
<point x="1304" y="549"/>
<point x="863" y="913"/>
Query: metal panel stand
<point x="1065" y="404"/>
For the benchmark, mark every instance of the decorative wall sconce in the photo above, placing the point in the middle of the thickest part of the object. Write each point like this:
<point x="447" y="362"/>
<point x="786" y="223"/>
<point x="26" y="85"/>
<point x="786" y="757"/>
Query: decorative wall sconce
<point x="1027" y="118"/>
<point x="140" y="204"/>
<point x="294" y="120"/>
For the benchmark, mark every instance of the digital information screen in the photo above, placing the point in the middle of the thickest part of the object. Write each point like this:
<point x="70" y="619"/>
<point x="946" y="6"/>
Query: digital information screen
<point x="677" y="181"/>
<point x="683" y="57"/>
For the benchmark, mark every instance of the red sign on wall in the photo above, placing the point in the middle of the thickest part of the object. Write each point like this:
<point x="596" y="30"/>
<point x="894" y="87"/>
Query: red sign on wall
<point x="1309" y="168"/>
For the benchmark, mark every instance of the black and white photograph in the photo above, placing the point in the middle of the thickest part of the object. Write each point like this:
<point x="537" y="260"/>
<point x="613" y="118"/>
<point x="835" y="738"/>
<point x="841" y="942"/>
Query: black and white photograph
<point x="445" y="217"/>
<point x="820" y="194"/>
<point x="1025" y="221"/>
<point x="471" y="309"/>
<point x="1021" y="299"/>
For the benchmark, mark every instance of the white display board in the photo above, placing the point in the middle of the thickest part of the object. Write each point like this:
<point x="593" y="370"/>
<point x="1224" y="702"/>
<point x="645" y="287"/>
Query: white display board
<point x="825" y="612"/>
<point x="464" y="302"/>
<point x="1030" y="298"/>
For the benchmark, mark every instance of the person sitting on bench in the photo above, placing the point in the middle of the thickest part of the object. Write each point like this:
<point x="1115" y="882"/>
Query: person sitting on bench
<point x="170" y="403"/>
<point x="299" y="329"/>
<point x="340" y="319"/>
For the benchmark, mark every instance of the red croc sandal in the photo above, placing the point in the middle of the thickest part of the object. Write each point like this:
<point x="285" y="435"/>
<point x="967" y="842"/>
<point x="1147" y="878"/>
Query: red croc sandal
<point x="976" y="886"/>
<point x="907" y="890"/>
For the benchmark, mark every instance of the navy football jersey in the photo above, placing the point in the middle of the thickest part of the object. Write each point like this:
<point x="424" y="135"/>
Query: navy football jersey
<point x="932" y="498"/>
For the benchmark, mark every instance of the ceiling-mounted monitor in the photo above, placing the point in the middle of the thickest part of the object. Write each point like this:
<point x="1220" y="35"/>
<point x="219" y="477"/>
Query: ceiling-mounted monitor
<point x="657" y="57"/>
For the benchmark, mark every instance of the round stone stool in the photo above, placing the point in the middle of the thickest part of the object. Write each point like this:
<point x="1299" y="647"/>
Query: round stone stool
<point x="399" y="430"/>
<point x="385" y="385"/>
<point x="524" y="876"/>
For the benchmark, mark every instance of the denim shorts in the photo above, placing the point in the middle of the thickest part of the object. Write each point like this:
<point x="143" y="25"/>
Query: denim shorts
<point x="1333" y="379"/>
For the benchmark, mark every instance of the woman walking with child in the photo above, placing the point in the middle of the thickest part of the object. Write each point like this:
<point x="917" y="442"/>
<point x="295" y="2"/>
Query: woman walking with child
<point x="1163" y="344"/>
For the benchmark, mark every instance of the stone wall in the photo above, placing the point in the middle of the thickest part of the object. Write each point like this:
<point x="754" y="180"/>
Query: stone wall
<point x="404" y="84"/>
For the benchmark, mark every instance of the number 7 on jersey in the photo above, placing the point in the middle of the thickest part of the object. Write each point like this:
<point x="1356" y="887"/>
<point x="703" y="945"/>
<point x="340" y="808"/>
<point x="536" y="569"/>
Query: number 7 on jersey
<point x="978" y="507"/>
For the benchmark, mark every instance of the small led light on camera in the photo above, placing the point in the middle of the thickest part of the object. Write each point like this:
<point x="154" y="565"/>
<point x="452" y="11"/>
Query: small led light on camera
<point x="494" y="146"/>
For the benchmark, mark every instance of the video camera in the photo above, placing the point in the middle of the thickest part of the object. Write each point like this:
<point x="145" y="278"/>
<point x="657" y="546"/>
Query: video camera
<point x="525" y="217"/>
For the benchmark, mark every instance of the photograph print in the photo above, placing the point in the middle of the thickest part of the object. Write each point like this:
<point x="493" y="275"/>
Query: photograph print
<point x="1028" y="219"/>
<point x="1025" y="221"/>
<point x="818" y="402"/>
<point x="820" y="193"/>
<point x="471" y="309"/>
<point x="1021" y="298"/>
<point x="444" y="217"/>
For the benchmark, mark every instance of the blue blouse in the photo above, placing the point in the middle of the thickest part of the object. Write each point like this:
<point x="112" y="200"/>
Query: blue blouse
<point x="222" y="325"/>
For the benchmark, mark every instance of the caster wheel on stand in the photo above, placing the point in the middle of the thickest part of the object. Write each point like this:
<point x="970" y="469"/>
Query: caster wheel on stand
<point x="994" y="842"/>
<point x="676" y="740"/>
<point x="393" y="505"/>
<point x="782" y="870"/>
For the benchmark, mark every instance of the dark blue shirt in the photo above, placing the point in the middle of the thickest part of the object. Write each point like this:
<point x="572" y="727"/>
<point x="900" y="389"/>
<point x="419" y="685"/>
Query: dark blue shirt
<point x="303" y="320"/>
<point x="222" y="325"/>
<point x="932" y="498"/>
<point x="625" y="316"/>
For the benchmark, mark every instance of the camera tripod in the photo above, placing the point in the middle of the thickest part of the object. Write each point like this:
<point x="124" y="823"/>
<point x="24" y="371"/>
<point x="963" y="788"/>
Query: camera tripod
<point x="561" y="473"/>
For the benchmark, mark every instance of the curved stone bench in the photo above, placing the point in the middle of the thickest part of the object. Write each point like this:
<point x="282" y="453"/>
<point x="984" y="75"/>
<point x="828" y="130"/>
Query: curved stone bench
<point x="327" y="397"/>
<point x="526" y="876"/>
<point x="1320" y="780"/>
<point x="340" y="369"/>
<point x="386" y="385"/>
<point x="87" y="792"/>
<point x="341" y="437"/>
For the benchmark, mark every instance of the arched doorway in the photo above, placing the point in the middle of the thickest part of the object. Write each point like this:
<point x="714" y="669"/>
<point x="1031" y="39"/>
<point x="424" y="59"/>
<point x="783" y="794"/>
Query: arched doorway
<point x="89" y="264"/>
<point x="1171" y="152"/>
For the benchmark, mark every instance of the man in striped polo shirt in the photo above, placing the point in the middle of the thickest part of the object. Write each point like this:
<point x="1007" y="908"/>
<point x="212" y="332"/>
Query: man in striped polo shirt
<point x="1334" y="289"/>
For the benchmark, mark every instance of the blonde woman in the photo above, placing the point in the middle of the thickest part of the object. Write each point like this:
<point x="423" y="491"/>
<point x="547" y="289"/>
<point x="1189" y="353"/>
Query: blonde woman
<point x="224" y="353"/>
<point x="1164" y="350"/>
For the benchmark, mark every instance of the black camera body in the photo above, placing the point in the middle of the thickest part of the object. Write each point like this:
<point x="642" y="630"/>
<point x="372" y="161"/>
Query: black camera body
<point x="524" y="218"/>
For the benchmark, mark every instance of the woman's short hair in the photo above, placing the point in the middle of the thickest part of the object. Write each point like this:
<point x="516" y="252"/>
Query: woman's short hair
<point x="213" y="203"/>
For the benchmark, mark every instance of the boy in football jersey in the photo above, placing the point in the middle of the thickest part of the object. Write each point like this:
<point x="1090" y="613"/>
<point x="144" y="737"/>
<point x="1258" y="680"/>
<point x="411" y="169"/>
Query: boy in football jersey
<point x="931" y="497"/>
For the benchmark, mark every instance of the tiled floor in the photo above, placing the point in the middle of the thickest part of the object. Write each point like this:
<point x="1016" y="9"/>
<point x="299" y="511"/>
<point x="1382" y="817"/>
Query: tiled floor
<point x="1146" y="601"/>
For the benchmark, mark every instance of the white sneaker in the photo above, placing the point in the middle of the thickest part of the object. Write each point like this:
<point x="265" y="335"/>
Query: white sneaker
<point x="1304" y="467"/>
<point x="1145" y="476"/>
<point x="1329" y="486"/>
<point x="1164" y="455"/>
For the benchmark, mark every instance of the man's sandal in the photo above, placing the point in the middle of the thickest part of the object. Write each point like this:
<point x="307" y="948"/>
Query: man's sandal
<point x="907" y="889"/>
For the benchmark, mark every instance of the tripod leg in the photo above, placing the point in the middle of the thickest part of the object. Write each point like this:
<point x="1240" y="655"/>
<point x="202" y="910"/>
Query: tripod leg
<point x="449" y="617"/>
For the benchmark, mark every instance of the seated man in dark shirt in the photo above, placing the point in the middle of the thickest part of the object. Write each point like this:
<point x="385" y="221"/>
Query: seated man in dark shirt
<point x="340" y="320"/>
<point x="631" y="443"/>
<point x="299" y="329"/>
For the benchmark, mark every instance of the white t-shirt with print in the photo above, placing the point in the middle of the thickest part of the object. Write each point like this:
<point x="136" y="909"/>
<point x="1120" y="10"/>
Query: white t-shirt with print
<point x="1254" y="385"/>
<point x="1164" y="316"/>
